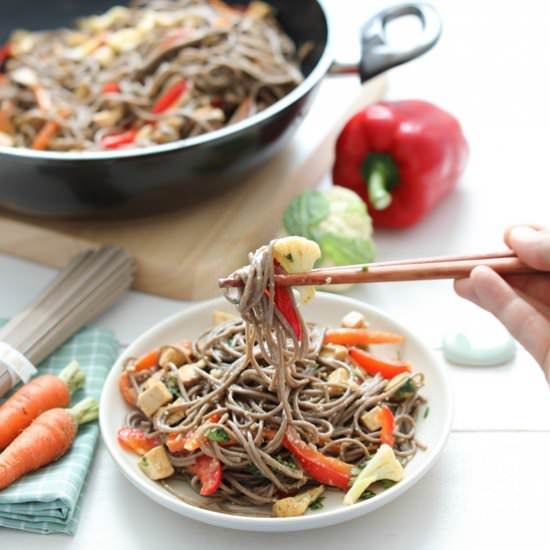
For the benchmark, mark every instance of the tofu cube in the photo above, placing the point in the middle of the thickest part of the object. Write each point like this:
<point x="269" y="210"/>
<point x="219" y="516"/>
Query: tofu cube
<point x="171" y="354"/>
<point x="153" y="398"/>
<point x="338" y="379"/>
<point x="354" y="319"/>
<point x="189" y="374"/>
<point x="153" y="379"/>
<point x="220" y="317"/>
<point x="334" y="351"/>
<point x="156" y="463"/>
<point x="297" y="505"/>
<point x="371" y="419"/>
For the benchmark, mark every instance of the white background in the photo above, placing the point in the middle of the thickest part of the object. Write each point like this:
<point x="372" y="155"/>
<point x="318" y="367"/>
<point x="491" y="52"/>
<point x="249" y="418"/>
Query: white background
<point x="489" y="488"/>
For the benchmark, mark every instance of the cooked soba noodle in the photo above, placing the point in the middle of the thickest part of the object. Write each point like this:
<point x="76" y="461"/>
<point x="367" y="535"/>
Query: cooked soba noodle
<point x="100" y="83"/>
<point x="258" y="380"/>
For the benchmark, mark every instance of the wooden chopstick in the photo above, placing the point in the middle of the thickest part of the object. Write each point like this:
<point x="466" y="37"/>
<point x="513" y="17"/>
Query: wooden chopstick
<point x="444" y="267"/>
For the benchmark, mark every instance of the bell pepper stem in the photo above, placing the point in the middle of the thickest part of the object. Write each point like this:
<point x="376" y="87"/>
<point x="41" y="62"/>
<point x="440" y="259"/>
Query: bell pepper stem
<point x="379" y="196"/>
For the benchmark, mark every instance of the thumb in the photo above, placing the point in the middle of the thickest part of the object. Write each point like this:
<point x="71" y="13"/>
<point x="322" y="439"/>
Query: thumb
<point x="532" y="245"/>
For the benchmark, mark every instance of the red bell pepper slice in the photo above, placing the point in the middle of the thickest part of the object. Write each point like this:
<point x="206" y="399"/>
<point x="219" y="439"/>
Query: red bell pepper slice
<point x="284" y="301"/>
<point x="110" y="88"/>
<point x="387" y="424"/>
<point x="209" y="471"/>
<point x="360" y="337"/>
<point x="170" y="96"/>
<point x="136" y="440"/>
<point x="114" y="141"/>
<point x="5" y="54"/>
<point x="374" y="365"/>
<point x="324" y="469"/>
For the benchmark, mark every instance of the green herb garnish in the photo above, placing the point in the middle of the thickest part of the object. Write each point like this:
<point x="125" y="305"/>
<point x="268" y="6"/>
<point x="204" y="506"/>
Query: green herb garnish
<point x="386" y="483"/>
<point x="365" y="268"/>
<point x="286" y="462"/>
<point x="427" y="412"/>
<point x="172" y="385"/>
<point x="289" y="257"/>
<point x="317" y="504"/>
<point x="218" y="435"/>
<point x="254" y="470"/>
<point x="406" y="390"/>
<point x="366" y="495"/>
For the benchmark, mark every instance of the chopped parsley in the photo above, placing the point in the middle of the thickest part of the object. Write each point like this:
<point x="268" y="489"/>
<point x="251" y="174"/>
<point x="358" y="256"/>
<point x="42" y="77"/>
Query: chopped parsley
<point x="317" y="504"/>
<point x="289" y="257"/>
<point x="365" y="268"/>
<point x="406" y="390"/>
<point x="427" y="412"/>
<point x="254" y="470"/>
<point x="286" y="462"/>
<point x="172" y="385"/>
<point x="386" y="483"/>
<point x="366" y="495"/>
<point x="217" y="434"/>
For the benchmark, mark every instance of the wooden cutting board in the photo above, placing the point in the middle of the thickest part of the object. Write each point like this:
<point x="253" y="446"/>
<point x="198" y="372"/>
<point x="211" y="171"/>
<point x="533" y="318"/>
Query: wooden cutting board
<point x="181" y="253"/>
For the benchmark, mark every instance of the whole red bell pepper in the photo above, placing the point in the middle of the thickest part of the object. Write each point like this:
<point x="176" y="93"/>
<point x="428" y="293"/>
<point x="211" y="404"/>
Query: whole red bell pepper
<point x="402" y="158"/>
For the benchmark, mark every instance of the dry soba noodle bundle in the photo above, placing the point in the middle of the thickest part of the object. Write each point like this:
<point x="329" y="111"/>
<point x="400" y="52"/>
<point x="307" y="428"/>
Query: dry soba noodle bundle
<point x="266" y="406"/>
<point x="156" y="72"/>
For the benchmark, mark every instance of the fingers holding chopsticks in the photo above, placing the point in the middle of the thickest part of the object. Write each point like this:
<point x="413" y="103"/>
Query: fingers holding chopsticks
<point x="521" y="303"/>
<point x="531" y="243"/>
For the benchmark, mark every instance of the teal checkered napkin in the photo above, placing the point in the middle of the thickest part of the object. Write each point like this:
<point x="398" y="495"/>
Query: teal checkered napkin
<point x="48" y="500"/>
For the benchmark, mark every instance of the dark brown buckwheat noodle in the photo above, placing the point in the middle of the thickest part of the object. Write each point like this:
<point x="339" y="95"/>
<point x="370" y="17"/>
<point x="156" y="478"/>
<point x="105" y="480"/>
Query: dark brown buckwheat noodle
<point x="229" y="60"/>
<point x="258" y="378"/>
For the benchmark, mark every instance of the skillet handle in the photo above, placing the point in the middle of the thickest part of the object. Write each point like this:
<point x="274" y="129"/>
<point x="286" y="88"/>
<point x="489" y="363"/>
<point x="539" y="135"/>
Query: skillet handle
<point x="377" y="56"/>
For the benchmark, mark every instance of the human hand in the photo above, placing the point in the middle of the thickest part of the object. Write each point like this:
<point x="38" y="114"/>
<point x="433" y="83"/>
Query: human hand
<point x="520" y="302"/>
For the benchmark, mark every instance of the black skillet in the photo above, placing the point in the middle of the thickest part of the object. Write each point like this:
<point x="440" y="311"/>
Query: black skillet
<point x="93" y="183"/>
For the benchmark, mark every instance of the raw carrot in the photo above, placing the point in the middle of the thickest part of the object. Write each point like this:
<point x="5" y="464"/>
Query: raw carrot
<point x="40" y="394"/>
<point x="47" y="439"/>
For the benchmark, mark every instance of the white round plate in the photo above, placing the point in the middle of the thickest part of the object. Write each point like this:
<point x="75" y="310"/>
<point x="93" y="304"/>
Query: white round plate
<point x="326" y="309"/>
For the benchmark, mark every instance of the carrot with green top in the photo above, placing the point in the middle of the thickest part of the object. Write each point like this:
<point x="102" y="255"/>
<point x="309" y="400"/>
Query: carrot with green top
<point x="40" y="394"/>
<point x="47" y="439"/>
<point x="360" y="337"/>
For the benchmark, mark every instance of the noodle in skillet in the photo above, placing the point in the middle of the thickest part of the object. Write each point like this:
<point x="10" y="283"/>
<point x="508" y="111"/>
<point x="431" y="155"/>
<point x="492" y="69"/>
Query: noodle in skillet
<point x="258" y="380"/>
<point x="159" y="71"/>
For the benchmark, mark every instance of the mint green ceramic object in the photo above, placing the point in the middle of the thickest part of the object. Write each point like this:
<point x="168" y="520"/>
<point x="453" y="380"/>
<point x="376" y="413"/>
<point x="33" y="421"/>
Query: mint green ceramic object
<point x="488" y="344"/>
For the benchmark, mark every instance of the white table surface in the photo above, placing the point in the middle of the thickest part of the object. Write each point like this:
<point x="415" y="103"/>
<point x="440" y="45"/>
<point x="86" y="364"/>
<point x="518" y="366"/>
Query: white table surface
<point x="489" y="488"/>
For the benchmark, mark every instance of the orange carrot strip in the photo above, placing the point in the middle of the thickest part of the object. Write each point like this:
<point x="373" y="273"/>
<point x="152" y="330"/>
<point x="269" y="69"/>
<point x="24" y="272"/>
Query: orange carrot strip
<point x="5" y="123"/>
<point x="146" y="361"/>
<point x="360" y="337"/>
<point x="48" y="438"/>
<point x="46" y="134"/>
